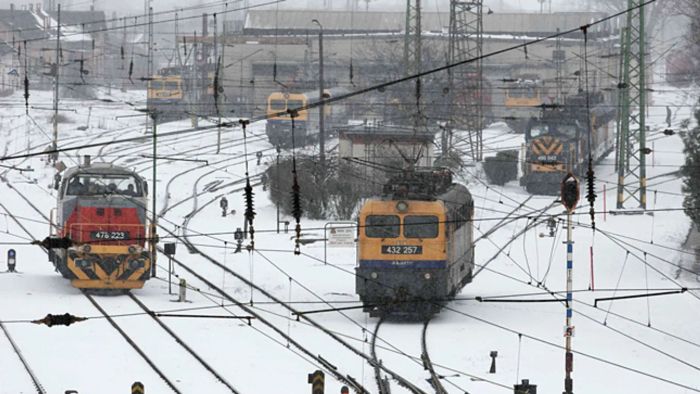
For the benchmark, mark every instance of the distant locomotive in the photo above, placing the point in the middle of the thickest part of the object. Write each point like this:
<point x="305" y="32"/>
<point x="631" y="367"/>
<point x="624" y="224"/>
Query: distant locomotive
<point x="523" y="100"/>
<point x="168" y="92"/>
<point x="102" y="208"/>
<point x="415" y="245"/>
<point x="306" y="123"/>
<point x="166" y="97"/>
<point x="557" y="142"/>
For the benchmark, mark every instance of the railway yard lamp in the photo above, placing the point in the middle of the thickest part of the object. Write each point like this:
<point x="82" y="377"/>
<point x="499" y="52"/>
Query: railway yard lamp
<point x="570" y="194"/>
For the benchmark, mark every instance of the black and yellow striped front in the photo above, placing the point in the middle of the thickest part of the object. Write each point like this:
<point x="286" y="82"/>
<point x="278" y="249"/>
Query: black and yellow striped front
<point x="108" y="267"/>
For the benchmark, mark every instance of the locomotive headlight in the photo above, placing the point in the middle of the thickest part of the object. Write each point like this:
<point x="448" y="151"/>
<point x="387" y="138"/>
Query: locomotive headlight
<point x="402" y="206"/>
<point x="87" y="248"/>
<point x="82" y="264"/>
<point x="132" y="249"/>
<point x="374" y="275"/>
<point x="134" y="264"/>
<point x="427" y="276"/>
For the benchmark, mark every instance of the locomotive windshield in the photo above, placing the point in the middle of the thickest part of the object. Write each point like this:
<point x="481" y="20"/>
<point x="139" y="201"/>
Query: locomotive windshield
<point x="540" y="129"/>
<point x="382" y="226"/>
<point x="172" y="85"/>
<point x="519" y="92"/>
<point x="278" y="105"/>
<point x="100" y="185"/>
<point x="423" y="226"/>
<point x="295" y="104"/>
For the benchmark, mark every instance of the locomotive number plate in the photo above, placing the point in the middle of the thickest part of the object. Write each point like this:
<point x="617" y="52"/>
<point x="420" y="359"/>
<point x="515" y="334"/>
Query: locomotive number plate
<point x="402" y="249"/>
<point x="109" y="235"/>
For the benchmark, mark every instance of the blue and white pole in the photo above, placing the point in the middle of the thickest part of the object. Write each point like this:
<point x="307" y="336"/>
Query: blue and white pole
<point x="569" y="358"/>
<point x="570" y="195"/>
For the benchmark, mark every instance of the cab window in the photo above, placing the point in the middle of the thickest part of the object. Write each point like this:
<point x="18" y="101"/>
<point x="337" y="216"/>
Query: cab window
<point x="295" y="104"/>
<point x="382" y="226"/>
<point x="172" y="85"/>
<point x="420" y="226"/>
<point x="278" y="105"/>
<point x="538" y="130"/>
<point x="156" y="85"/>
<point x="101" y="185"/>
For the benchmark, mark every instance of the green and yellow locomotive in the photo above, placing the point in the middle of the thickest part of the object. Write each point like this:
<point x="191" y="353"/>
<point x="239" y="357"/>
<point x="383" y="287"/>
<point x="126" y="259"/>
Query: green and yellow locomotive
<point x="558" y="141"/>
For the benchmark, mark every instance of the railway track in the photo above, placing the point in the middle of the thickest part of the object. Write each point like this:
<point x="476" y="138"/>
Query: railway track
<point x="119" y="329"/>
<point x="428" y="364"/>
<point x="35" y="380"/>
<point x="382" y="382"/>
<point x="383" y="386"/>
<point x="176" y="338"/>
<point x="133" y="344"/>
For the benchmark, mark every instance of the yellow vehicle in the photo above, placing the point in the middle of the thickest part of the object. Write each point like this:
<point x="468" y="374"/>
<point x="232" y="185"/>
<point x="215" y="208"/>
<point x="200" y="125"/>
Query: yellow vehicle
<point x="306" y="122"/>
<point x="166" y="96"/>
<point x="523" y="100"/>
<point x="415" y="247"/>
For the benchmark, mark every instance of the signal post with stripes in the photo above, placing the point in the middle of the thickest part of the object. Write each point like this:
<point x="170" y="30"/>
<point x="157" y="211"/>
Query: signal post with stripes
<point x="570" y="194"/>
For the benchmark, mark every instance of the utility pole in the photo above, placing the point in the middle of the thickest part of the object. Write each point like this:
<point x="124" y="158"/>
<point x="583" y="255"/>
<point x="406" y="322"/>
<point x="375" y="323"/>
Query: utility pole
<point x="559" y="57"/>
<point x="217" y="65"/>
<point x="150" y="53"/>
<point x="412" y="55"/>
<point x="194" y="95"/>
<point x="321" y="108"/>
<point x="466" y="42"/>
<point x="154" y="216"/>
<point x="631" y="169"/>
<point x="177" y="44"/>
<point x="55" y="87"/>
<point x="570" y="194"/>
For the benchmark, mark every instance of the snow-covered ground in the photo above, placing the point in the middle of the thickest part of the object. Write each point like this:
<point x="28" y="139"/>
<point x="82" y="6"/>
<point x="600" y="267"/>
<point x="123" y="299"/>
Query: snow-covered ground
<point x="635" y="345"/>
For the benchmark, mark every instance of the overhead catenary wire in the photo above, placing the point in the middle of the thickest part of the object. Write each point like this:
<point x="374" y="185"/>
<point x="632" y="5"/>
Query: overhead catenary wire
<point x="419" y="74"/>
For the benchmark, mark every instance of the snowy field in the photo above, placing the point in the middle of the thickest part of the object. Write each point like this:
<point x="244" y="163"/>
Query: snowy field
<point x="640" y="345"/>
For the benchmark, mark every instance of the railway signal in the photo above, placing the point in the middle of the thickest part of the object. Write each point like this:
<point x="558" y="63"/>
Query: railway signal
<point x="238" y="236"/>
<point x="169" y="250"/>
<point x="317" y="381"/>
<point x="525" y="388"/>
<point x="570" y="194"/>
<point x="224" y="206"/>
<point x="11" y="260"/>
<point x="493" y="355"/>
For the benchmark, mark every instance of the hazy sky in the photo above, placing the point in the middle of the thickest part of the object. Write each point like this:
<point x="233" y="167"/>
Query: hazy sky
<point x="136" y="6"/>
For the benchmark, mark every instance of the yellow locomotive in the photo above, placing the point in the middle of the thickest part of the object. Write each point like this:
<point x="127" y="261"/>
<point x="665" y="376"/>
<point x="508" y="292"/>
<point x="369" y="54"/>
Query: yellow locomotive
<point x="523" y="100"/>
<point x="166" y="96"/>
<point x="306" y="122"/>
<point x="415" y="247"/>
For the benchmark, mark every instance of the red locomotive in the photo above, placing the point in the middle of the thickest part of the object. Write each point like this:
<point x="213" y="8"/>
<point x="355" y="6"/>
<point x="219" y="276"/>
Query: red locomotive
<point x="102" y="209"/>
